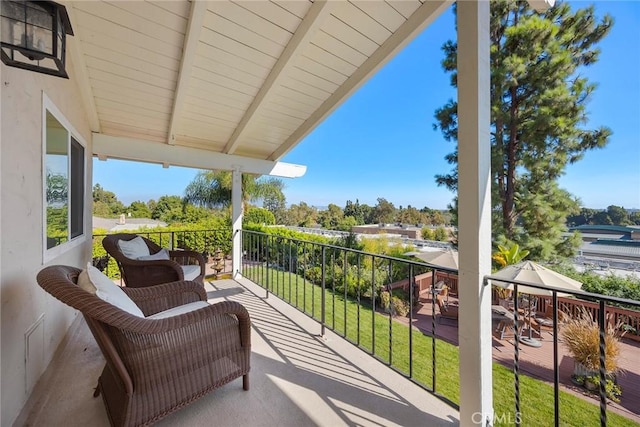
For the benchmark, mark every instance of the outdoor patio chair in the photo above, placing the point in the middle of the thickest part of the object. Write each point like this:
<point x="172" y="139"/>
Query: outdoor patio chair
<point x="147" y="264"/>
<point x="447" y="311"/>
<point x="164" y="345"/>
<point x="438" y="287"/>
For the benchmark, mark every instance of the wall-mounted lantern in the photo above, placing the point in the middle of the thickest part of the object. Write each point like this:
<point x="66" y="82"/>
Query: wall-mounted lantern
<point x="33" y="35"/>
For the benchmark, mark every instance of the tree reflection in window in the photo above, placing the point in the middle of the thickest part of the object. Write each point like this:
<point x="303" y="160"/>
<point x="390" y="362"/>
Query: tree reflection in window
<point x="57" y="182"/>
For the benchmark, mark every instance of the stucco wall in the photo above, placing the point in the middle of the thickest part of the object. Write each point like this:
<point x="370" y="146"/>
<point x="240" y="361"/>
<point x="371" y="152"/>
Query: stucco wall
<point x="21" y="229"/>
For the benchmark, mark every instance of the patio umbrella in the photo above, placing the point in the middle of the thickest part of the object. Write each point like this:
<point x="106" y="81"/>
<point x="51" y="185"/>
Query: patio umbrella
<point x="441" y="258"/>
<point x="531" y="272"/>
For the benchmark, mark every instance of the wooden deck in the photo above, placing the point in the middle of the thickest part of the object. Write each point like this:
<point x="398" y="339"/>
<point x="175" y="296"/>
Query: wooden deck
<point x="538" y="362"/>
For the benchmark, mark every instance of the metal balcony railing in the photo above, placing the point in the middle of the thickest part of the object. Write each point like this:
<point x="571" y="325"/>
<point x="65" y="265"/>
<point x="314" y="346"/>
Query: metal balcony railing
<point x="356" y="295"/>
<point x="344" y="290"/>
<point x="608" y="312"/>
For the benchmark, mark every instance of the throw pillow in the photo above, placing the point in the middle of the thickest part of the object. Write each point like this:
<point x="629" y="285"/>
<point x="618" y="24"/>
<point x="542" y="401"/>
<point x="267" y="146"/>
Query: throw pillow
<point x="84" y="282"/>
<point x="161" y="254"/>
<point x="111" y="293"/>
<point x="134" y="248"/>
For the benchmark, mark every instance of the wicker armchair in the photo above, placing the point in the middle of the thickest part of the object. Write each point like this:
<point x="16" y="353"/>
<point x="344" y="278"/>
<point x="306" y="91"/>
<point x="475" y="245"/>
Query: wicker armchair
<point x="157" y="366"/>
<point x="137" y="273"/>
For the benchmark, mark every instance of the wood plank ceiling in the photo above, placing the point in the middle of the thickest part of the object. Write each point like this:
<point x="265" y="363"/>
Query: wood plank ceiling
<point x="243" y="78"/>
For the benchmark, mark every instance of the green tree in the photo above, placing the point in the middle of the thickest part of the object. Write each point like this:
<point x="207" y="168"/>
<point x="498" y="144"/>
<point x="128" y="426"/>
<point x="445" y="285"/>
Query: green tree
<point x="274" y="199"/>
<point x="259" y="216"/>
<point x="212" y="189"/>
<point x="441" y="234"/>
<point x="302" y="215"/>
<point x="634" y="218"/>
<point x="427" y="233"/>
<point x="411" y="215"/>
<point x="360" y="212"/>
<point x="538" y="111"/>
<point x="331" y="217"/>
<point x="139" y="209"/>
<point x="105" y="203"/>
<point x="169" y="209"/>
<point x="346" y="223"/>
<point x="602" y="218"/>
<point x="584" y="217"/>
<point x="384" y="211"/>
<point x="618" y="215"/>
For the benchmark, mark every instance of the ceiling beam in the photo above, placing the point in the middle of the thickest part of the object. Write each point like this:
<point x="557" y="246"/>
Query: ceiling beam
<point x="191" y="40"/>
<point x="304" y="33"/>
<point x="417" y="22"/>
<point x="80" y="73"/>
<point x="105" y="146"/>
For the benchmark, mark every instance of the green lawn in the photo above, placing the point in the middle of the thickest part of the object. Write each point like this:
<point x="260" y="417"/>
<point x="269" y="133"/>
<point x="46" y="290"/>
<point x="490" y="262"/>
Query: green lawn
<point x="343" y="315"/>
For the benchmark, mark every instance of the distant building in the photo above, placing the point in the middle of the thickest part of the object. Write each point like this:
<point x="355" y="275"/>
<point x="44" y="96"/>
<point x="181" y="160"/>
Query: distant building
<point x="123" y="223"/>
<point x="610" y="241"/>
<point x="408" y="231"/>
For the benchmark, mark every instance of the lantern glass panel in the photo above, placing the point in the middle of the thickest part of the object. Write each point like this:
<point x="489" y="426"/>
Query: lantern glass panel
<point x="12" y="10"/>
<point x="40" y="17"/>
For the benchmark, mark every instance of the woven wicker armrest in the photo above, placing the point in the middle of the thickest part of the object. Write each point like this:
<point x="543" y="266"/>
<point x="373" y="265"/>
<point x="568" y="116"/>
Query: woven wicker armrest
<point x="157" y="298"/>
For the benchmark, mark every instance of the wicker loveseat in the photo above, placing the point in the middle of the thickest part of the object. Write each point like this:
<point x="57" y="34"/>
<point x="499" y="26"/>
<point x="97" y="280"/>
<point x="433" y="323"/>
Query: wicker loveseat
<point x="157" y="366"/>
<point x="137" y="273"/>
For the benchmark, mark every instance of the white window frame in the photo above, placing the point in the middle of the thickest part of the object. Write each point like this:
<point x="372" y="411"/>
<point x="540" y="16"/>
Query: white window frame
<point x="56" y="251"/>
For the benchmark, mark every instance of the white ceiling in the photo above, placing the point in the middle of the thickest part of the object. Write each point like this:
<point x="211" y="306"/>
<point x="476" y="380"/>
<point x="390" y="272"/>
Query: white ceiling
<point x="228" y="82"/>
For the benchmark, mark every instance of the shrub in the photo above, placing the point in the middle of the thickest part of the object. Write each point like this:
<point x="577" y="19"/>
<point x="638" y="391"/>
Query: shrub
<point x="400" y="306"/>
<point x="582" y="338"/>
<point x="385" y="300"/>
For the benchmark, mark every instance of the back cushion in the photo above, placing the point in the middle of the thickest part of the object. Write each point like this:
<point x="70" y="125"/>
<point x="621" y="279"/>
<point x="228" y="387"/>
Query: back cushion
<point x="110" y="292"/>
<point x="134" y="248"/>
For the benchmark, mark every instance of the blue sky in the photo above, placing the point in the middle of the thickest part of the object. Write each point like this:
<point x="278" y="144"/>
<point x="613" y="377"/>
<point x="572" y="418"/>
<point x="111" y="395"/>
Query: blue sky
<point x="381" y="141"/>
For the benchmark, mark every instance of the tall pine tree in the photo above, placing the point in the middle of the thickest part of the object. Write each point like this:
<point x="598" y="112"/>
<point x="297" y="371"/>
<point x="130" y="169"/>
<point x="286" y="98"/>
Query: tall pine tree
<point x="538" y="114"/>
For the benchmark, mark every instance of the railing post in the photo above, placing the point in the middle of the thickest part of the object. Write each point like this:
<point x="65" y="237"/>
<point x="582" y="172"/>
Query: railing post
<point x="391" y="310"/>
<point x="412" y="286"/>
<point x="433" y="329"/>
<point x="556" y="368"/>
<point x="267" y="267"/>
<point x="323" y="298"/>
<point x="516" y="355"/>
<point x="603" y="371"/>
<point x="373" y="304"/>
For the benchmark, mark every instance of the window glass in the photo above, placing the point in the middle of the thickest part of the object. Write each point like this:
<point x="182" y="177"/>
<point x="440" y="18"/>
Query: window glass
<point x="64" y="183"/>
<point x="57" y="182"/>
<point x="77" y="189"/>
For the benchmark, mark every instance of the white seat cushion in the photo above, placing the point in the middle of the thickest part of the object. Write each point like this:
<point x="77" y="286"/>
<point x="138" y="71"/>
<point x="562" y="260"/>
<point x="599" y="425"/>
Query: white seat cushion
<point x="190" y="271"/>
<point x="111" y="293"/>
<point x="181" y="309"/>
<point x="134" y="248"/>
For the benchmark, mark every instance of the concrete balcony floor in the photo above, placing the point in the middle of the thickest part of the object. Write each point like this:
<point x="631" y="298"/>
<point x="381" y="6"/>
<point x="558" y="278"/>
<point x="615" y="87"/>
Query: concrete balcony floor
<point x="298" y="378"/>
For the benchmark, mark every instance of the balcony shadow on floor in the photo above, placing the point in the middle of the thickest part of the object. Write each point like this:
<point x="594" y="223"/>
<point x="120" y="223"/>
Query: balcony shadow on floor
<point x="319" y="379"/>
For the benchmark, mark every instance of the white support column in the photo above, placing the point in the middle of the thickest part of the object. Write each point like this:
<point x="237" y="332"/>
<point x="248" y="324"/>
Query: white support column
<point x="236" y="220"/>
<point x="474" y="213"/>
